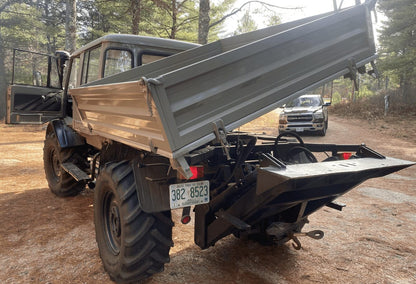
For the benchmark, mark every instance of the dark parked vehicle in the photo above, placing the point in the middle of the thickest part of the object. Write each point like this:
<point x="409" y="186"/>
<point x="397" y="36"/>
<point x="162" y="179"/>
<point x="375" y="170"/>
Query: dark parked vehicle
<point x="307" y="113"/>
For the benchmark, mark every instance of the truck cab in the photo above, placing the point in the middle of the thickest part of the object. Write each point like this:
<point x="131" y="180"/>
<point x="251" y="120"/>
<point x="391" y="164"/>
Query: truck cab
<point x="41" y="92"/>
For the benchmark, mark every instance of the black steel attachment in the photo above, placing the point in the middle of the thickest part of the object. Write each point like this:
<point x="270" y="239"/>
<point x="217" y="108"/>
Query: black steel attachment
<point x="291" y="231"/>
<point x="236" y="222"/>
<point x="315" y="234"/>
<point x="336" y="205"/>
<point x="274" y="161"/>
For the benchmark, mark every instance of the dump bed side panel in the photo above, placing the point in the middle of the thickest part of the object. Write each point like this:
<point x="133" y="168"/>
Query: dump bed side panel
<point x="244" y="83"/>
<point x="122" y="112"/>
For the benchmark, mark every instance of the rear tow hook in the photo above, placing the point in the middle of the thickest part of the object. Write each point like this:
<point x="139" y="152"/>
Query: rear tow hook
<point x="315" y="234"/>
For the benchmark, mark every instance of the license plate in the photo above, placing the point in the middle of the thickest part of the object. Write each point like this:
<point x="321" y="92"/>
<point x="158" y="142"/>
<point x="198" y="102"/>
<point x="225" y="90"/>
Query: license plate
<point x="188" y="194"/>
<point x="299" y="129"/>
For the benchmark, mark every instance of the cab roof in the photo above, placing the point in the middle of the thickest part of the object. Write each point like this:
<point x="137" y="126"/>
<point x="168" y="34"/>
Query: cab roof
<point x="138" y="40"/>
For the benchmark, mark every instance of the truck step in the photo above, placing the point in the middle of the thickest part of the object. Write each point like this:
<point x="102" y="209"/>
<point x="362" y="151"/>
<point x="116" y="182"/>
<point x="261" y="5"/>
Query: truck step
<point x="75" y="172"/>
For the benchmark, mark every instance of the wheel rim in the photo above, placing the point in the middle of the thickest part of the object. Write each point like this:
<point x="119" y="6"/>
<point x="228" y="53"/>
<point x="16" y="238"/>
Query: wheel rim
<point x="55" y="164"/>
<point x="112" y="223"/>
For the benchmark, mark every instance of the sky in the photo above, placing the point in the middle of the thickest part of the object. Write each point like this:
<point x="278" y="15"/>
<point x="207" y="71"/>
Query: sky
<point x="308" y="8"/>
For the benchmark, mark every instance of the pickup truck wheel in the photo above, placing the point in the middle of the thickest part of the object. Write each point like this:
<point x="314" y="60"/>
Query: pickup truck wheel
<point x="60" y="182"/>
<point x="276" y="151"/>
<point x="323" y="131"/>
<point x="133" y="244"/>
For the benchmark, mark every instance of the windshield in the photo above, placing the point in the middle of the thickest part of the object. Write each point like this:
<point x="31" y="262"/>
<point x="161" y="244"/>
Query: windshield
<point x="305" y="102"/>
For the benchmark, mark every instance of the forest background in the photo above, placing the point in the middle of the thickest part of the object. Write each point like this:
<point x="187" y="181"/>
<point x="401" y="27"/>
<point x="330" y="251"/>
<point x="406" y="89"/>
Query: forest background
<point x="49" y="25"/>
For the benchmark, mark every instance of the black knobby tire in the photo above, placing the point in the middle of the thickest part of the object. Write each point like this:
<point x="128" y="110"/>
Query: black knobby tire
<point x="323" y="131"/>
<point x="60" y="182"/>
<point x="133" y="244"/>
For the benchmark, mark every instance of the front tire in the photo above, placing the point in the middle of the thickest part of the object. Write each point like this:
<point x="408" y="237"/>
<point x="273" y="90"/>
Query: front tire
<point x="133" y="244"/>
<point x="60" y="182"/>
<point x="323" y="131"/>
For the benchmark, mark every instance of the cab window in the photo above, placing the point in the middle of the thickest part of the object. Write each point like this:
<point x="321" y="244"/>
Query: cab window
<point x="146" y="58"/>
<point x="73" y="79"/>
<point x="35" y="69"/>
<point x="116" y="61"/>
<point x="91" y="65"/>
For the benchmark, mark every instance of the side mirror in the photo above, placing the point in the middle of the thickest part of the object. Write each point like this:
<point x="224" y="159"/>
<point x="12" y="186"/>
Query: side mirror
<point x="61" y="58"/>
<point x="37" y="78"/>
<point x="327" y="104"/>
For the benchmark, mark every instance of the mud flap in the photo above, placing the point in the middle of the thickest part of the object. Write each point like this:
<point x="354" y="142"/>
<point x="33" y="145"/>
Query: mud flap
<point x="152" y="184"/>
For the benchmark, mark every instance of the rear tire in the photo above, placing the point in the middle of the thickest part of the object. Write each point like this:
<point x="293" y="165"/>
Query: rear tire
<point x="133" y="244"/>
<point x="60" y="182"/>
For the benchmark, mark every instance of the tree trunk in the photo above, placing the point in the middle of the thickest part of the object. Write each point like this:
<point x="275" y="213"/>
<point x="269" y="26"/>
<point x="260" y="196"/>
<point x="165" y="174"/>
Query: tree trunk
<point x="408" y="91"/>
<point x="174" y="20"/>
<point x="204" y="19"/>
<point x="135" y="12"/>
<point x="3" y="81"/>
<point x="70" y="25"/>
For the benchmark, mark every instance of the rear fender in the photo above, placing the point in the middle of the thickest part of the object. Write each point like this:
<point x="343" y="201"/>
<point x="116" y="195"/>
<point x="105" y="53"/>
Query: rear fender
<point x="67" y="137"/>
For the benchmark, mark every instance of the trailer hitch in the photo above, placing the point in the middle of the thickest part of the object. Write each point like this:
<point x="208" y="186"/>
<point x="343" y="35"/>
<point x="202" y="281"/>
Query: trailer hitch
<point x="315" y="234"/>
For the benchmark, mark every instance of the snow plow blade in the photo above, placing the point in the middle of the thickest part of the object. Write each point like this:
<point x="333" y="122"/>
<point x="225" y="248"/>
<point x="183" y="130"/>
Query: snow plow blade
<point x="325" y="180"/>
<point x="293" y="191"/>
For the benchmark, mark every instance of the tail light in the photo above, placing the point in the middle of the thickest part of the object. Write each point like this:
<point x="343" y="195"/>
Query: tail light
<point x="346" y="156"/>
<point x="197" y="172"/>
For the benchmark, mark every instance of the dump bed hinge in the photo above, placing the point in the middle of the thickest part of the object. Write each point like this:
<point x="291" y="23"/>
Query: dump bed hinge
<point x="352" y="67"/>
<point x="180" y="164"/>
<point x="374" y="71"/>
<point x="221" y="137"/>
<point x="144" y="82"/>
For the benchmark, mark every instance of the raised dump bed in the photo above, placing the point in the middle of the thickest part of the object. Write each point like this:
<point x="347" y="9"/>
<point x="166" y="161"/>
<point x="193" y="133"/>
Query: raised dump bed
<point x="180" y="103"/>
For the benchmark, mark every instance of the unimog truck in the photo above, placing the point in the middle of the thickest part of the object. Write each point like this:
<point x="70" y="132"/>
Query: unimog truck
<point x="152" y="125"/>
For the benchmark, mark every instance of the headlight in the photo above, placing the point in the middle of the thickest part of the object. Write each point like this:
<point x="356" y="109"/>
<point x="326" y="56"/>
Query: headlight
<point x="318" y="116"/>
<point x="283" y="118"/>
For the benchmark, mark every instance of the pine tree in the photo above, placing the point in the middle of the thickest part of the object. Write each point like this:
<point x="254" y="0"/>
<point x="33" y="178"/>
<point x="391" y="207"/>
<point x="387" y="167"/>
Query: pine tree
<point x="398" y="45"/>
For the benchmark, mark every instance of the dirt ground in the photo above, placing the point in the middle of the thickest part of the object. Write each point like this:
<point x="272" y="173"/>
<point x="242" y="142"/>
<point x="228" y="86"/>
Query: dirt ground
<point x="46" y="239"/>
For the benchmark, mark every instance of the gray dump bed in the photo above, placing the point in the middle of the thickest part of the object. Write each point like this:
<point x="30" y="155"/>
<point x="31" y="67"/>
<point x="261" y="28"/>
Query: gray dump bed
<point x="174" y="105"/>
